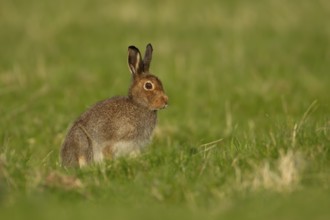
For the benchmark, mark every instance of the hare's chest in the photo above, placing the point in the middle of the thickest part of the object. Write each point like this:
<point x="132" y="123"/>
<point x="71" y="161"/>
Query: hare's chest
<point x="127" y="148"/>
<point x="112" y="150"/>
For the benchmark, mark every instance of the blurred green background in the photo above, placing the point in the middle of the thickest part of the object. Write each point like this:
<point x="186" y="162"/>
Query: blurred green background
<point x="253" y="76"/>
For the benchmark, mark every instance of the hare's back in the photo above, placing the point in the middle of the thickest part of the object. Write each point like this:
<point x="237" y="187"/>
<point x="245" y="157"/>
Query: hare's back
<point x="118" y="117"/>
<point x="116" y="108"/>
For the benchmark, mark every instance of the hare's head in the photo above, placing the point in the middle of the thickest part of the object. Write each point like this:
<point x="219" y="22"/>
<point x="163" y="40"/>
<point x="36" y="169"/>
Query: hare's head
<point x="146" y="89"/>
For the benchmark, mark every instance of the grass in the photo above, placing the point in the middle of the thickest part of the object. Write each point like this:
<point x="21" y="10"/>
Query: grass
<point x="246" y="135"/>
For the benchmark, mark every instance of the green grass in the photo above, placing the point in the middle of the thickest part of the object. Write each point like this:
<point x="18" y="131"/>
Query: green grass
<point x="253" y="75"/>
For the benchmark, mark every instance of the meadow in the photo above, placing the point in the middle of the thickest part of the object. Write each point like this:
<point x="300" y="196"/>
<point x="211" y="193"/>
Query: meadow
<point x="246" y="134"/>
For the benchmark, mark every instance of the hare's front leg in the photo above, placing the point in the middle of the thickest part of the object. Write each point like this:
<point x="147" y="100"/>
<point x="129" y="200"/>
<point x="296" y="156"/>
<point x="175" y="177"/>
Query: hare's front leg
<point x="107" y="151"/>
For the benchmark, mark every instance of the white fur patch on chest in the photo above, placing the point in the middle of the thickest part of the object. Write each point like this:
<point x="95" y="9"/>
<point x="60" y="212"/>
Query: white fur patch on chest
<point x="127" y="148"/>
<point x="118" y="149"/>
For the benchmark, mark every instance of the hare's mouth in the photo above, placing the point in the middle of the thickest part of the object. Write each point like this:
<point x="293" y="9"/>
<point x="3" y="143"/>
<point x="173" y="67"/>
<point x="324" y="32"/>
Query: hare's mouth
<point x="160" y="103"/>
<point x="163" y="105"/>
<point x="156" y="108"/>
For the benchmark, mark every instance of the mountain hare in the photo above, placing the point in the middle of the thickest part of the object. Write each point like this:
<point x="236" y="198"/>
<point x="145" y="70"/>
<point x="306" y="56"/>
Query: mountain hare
<point x="120" y="125"/>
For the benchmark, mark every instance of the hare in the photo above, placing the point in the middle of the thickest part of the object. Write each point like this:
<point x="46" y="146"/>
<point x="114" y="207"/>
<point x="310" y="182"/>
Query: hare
<point x="118" y="126"/>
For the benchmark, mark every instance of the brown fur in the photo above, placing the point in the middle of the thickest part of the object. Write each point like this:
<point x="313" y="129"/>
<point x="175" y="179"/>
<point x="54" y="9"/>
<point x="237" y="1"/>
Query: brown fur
<point x="119" y="125"/>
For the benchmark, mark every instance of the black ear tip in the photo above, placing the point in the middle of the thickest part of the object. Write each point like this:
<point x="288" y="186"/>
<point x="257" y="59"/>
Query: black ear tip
<point x="149" y="46"/>
<point x="132" y="48"/>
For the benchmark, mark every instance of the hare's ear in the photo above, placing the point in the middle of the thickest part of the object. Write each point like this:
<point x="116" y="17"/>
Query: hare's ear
<point x="147" y="58"/>
<point x="135" y="62"/>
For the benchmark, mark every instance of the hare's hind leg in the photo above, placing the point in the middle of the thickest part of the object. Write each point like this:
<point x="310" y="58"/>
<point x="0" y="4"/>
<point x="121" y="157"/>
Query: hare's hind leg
<point x="77" y="149"/>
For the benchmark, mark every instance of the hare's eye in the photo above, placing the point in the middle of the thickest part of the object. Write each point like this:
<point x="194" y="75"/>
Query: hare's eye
<point x="148" y="86"/>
